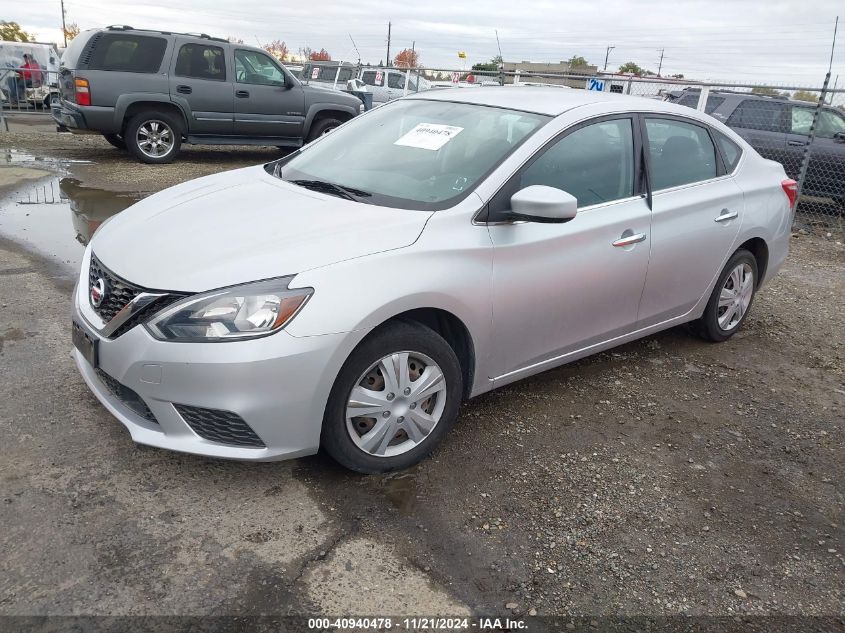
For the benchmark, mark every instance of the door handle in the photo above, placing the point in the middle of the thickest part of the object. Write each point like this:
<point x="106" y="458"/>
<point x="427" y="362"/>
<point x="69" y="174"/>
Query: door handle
<point x="242" y="94"/>
<point x="726" y="215"/>
<point x="797" y="143"/>
<point x="185" y="90"/>
<point x="628" y="240"/>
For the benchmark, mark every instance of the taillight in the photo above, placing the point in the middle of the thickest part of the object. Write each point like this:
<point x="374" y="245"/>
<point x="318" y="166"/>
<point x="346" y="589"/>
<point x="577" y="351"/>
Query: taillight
<point x="790" y="188"/>
<point x="83" y="92"/>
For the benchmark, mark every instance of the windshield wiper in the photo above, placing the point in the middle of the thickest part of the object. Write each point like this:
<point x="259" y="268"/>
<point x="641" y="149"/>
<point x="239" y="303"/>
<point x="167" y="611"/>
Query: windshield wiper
<point x="348" y="193"/>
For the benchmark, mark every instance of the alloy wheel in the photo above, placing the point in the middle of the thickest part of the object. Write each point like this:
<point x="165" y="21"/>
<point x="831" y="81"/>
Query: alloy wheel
<point x="396" y="404"/>
<point x="155" y="138"/>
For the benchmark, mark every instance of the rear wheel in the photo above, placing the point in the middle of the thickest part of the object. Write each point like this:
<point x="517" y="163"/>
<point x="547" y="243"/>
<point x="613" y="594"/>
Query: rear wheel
<point x="115" y="140"/>
<point x="731" y="299"/>
<point x="323" y="127"/>
<point x="154" y="137"/>
<point x="395" y="398"/>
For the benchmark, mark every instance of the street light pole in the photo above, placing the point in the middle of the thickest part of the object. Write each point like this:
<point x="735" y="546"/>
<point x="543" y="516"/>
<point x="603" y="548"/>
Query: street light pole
<point x="607" y="54"/>
<point x="64" y="29"/>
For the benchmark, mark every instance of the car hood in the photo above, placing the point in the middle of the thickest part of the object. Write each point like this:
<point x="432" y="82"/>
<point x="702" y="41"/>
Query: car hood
<point x="242" y="226"/>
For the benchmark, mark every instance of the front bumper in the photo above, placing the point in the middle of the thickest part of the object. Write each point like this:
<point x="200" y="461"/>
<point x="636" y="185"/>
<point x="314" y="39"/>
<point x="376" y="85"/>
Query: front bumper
<point x="278" y="385"/>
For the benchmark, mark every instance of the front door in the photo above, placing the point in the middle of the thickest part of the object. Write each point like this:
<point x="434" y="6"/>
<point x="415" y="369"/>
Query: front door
<point x="826" y="171"/>
<point x="696" y="218"/>
<point x="201" y="83"/>
<point x="559" y="288"/>
<point x="267" y="101"/>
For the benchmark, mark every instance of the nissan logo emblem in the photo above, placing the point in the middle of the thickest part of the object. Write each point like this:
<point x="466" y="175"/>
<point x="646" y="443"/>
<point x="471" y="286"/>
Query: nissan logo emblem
<point x="98" y="292"/>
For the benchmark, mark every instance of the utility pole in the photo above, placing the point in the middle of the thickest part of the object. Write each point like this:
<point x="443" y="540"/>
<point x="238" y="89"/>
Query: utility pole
<point x="414" y="53"/>
<point x="64" y="29"/>
<point x="607" y="54"/>
<point x="499" y="46"/>
<point x="660" y="67"/>
<point x="387" y="63"/>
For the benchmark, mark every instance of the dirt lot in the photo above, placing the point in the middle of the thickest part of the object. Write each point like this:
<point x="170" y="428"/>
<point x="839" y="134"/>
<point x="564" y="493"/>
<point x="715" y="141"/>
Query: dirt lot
<point x="667" y="476"/>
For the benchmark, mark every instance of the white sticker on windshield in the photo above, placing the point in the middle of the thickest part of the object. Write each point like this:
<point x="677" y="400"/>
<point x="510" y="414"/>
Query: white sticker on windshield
<point x="429" y="136"/>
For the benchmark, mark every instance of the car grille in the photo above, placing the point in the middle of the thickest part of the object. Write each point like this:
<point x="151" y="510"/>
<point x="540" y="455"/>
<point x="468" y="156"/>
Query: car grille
<point x="129" y="398"/>
<point x="119" y="293"/>
<point x="223" y="427"/>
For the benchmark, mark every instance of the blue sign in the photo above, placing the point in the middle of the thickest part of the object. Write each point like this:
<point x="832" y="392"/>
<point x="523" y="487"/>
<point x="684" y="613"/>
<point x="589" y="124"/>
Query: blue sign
<point x="595" y="84"/>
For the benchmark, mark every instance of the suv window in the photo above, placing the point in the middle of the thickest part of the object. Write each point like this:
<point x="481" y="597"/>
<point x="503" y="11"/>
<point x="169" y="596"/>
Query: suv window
<point x="201" y="62"/>
<point x="594" y="163"/>
<point x="731" y="152"/>
<point x="759" y="114"/>
<point x="829" y="123"/>
<point x="396" y="80"/>
<point x="127" y="53"/>
<point x="252" y="67"/>
<point x="690" y="100"/>
<point x="369" y="78"/>
<point x="681" y="153"/>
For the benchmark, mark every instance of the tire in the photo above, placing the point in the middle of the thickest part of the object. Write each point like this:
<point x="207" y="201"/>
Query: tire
<point x="406" y="443"/>
<point x="115" y="140"/>
<point x="321" y="127"/>
<point x="159" y="127"/>
<point x="719" y="323"/>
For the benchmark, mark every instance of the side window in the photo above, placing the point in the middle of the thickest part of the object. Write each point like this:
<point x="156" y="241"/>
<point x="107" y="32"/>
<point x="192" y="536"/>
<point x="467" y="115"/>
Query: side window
<point x="201" y="62"/>
<point x="128" y="53"/>
<point x="369" y="77"/>
<point x="256" y="68"/>
<point x="691" y="101"/>
<point x="396" y="80"/>
<point x="594" y="163"/>
<point x="731" y="152"/>
<point x="681" y="153"/>
<point x="830" y="124"/>
<point x="801" y="121"/>
<point x="759" y="114"/>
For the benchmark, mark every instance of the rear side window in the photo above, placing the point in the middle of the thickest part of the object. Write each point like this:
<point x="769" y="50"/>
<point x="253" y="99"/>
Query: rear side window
<point x="760" y="114"/>
<point x="681" y="153"/>
<point x="731" y="152"/>
<point x="395" y="80"/>
<point x="201" y="62"/>
<point x="127" y="53"/>
<point x="371" y="77"/>
<point x="691" y="101"/>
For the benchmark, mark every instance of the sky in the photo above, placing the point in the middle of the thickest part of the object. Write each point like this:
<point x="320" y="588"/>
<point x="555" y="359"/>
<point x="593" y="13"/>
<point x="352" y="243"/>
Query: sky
<point x="749" y="41"/>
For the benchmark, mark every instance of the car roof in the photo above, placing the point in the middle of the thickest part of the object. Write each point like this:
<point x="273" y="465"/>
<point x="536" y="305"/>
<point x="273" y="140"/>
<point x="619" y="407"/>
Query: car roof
<point x="544" y="100"/>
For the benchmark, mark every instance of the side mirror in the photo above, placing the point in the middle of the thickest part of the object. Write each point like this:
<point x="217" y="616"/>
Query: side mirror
<point x="839" y="136"/>
<point x="539" y="203"/>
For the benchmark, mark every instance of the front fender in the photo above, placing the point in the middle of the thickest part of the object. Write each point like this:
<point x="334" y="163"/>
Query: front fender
<point x="323" y="107"/>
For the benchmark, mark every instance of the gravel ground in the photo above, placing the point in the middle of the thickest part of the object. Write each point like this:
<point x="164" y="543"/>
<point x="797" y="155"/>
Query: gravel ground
<point x="667" y="476"/>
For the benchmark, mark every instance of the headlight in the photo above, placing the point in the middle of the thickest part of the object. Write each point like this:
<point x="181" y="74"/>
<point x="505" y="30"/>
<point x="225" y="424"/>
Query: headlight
<point x="235" y="313"/>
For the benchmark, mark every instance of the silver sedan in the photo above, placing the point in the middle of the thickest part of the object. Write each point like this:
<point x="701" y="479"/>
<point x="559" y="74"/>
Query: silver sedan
<point x="351" y="295"/>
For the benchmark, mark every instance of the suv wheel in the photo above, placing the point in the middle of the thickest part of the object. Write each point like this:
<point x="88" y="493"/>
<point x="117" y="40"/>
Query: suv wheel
<point x="395" y="398"/>
<point x="731" y="299"/>
<point x="154" y="137"/>
<point x="322" y="127"/>
<point x="115" y="140"/>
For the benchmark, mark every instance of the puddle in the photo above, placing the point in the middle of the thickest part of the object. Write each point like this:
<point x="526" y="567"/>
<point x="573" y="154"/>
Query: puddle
<point x="401" y="491"/>
<point x="17" y="158"/>
<point x="57" y="217"/>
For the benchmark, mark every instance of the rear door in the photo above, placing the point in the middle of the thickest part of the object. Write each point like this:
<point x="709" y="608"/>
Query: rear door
<point x="268" y="102"/>
<point x="763" y="123"/>
<point x="696" y="213"/>
<point x="201" y="81"/>
<point x="826" y="171"/>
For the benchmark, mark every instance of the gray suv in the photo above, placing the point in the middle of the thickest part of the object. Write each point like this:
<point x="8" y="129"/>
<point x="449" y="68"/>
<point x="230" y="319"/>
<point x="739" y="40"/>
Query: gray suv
<point x="151" y="91"/>
<point x="778" y="128"/>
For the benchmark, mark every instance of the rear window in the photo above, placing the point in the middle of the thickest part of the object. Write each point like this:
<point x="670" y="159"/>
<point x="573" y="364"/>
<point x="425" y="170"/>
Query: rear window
<point x="760" y="114"/>
<point x="127" y="53"/>
<point x="691" y="101"/>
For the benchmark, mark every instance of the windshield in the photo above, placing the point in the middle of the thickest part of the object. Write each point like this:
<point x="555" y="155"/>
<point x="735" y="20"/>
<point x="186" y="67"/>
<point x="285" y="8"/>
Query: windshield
<point x="412" y="153"/>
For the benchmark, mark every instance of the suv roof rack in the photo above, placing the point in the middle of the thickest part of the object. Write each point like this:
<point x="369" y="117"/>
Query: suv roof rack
<point x="126" y="27"/>
<point x="737" y="92"/>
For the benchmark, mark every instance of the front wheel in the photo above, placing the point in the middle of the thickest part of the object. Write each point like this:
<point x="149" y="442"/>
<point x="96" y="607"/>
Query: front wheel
<point x="153" y="137"/>
<point x="731" y="299"/>
<point x="394" y="400"/>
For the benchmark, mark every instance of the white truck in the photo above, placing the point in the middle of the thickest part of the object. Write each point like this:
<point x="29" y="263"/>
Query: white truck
<point x="385" y="84"/>
<point x="41" y="87"/>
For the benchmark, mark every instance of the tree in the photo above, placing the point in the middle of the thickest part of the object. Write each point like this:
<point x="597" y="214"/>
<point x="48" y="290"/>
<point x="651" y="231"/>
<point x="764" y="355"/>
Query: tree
<point x="71" y="31"/>
<point x="491" y="66"/>
<point x="12" y="32"/>
<point x="234" y="40"/>
<point x="678" y="76"/>
<point x="769" y="92"/>
<point x="632" y="68"/>
<point x="409" y="58"/>
<point x="305" y="52"/>
<point x="278" y="49"/>
<point x="321" y="55"/>
<point x="805" y="95"/>
<point x="576" y="60"/>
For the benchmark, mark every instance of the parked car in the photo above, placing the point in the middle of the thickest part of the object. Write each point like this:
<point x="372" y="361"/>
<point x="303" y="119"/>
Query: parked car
<point x="385" y="84"/>
<point x="151" y="91"/>
<point x="353" y="294"/>
<point x="28" y="74"/>
<point x="779" y="128"/>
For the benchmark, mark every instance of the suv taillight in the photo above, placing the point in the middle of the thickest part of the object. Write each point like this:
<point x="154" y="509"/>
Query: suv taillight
<point x="790" y="188"/>
<point x="83" y="92"/>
